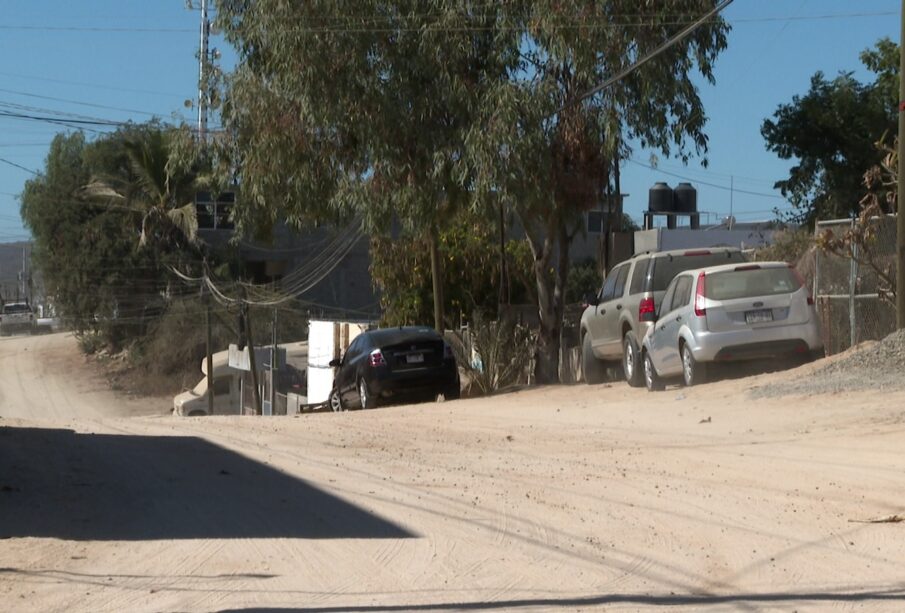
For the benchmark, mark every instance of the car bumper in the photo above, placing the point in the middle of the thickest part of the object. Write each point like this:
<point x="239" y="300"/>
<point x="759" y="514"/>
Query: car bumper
<point x="756" y="343"/>
<point x="413" y="383"/>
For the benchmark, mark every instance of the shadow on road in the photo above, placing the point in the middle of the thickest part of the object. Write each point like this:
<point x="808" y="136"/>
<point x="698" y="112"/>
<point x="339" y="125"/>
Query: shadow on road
<point x="61" y="484"/>
<point x="672" y="600"/>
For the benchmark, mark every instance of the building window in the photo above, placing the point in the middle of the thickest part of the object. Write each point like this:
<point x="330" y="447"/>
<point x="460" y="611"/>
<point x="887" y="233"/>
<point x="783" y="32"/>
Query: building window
<point x="595" y="222"/>
<point x="214" y="214"/>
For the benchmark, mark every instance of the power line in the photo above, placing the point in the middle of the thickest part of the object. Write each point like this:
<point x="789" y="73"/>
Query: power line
<point x="604" y="23"/>
<point x="34" y="172"/>
<point x="657" y="51"/>
<point x="91" y="85"/>
<point x="80" y="103"/>
<point x="715" y="185"/>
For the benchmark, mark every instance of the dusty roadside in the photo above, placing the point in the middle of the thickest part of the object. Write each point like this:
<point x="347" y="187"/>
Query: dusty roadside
<point x="569" y="498"/>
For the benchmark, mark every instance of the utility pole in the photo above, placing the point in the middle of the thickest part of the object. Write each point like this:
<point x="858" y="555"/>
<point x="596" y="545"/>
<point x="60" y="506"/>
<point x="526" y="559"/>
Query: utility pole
<point x="251" y="359"/>
<point x="732" y="197"/>
<point x="436" y="274"/>
<point x="900" y="210"/>
<point x="273" y="364"/>
<point x="210" y="356"/>
<point x="202" y="64"/>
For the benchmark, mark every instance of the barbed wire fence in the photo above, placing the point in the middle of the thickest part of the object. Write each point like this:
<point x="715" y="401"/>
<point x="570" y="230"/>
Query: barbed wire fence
<point x="853" y="303"/>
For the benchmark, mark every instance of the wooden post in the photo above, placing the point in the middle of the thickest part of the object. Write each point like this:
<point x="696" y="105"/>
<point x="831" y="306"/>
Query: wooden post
<point x="251" y="360"/>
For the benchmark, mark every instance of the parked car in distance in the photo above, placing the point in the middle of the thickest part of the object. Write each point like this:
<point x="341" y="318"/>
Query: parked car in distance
<point x="194" y="402"/>
<point x="617" y="319"/>
<point x="727" y="313"/>
<point x="394" y="363"/>
<point x="16" y="317"/>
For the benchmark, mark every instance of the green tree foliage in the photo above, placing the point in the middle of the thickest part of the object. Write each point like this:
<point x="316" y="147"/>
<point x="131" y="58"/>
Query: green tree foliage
<point x="153" y="186"/>
<point x="469" y="248"/>
<point x="831" y="133"/>
<point x="87" y="247"/>
<point x="415" y="110"/>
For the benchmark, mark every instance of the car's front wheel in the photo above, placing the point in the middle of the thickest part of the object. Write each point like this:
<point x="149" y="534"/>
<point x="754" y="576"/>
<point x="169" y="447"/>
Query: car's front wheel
<point x="693" y="371"/>
<point x="631" y="361"/>
<point x="652" y="380"/>
<point x="336" y="401"/>
<point x="594" y="370"/>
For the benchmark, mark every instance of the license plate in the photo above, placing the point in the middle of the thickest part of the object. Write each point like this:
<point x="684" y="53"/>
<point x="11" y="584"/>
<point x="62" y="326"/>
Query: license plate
<point x="758" y="317"/>
<point x="414" y="358"/>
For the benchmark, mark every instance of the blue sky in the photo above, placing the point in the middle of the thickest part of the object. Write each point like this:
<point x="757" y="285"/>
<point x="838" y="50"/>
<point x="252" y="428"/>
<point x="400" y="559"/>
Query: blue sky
<point x="130" y="59"/>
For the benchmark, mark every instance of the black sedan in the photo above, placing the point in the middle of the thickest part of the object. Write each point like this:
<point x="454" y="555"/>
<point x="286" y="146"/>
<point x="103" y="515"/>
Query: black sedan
<point x="387" y="364"/>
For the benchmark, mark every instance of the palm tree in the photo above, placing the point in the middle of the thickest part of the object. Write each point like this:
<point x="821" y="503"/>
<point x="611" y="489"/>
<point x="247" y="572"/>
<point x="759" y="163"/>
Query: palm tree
<point x="155" y="188"/>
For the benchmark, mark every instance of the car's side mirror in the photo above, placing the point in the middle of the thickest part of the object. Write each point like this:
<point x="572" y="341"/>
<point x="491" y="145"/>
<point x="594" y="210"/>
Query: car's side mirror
<point x="591" y="299"/>
<point x="336" y="363"/>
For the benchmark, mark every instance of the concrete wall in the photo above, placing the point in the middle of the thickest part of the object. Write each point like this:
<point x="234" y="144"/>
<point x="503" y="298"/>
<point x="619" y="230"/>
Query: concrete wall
<point x="327" y="340"/>
<point x="660" y="239"/>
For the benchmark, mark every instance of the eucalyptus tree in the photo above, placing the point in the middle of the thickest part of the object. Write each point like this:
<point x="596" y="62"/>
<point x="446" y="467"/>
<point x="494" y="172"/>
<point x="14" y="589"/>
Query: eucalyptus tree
<point x="358" y="108"/>
<point x="550" y="151"/>
<point x="411" y="109"/>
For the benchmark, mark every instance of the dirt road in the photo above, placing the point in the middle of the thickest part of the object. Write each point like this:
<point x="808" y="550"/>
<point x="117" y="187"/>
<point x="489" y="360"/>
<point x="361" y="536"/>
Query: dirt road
<point x="566" y="498"/>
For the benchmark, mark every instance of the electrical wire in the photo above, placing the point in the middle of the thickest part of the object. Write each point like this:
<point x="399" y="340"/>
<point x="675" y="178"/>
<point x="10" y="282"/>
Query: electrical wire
<point x="708" y="184"/>
<point x="605" y="22"/>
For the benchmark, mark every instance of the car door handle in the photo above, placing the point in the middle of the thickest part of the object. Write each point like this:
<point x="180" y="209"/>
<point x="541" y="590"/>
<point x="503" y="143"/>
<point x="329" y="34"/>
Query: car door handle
<point x="678" y="318"/>
<point x="618" y="307"/>
<point x="662" y="327"/>
<point x="601" y="311"/>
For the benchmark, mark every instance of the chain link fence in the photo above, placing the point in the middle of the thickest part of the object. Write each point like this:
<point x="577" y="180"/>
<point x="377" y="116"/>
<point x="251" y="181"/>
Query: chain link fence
<point x="850" y="294"/>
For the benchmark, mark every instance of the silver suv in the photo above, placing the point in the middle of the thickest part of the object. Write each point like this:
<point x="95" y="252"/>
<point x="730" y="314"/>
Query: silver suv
<point x="615" y="322"/>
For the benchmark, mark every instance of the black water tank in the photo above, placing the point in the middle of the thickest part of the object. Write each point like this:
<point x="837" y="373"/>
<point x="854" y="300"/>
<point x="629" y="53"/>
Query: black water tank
<point x="660" y="199"/>
<point x="686" y="197"/>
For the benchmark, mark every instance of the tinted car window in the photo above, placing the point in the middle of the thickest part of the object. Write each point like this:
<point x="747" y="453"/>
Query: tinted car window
<point x="667" y="300"/>
<point x="609" y="287"/>
<point x="395" y="336"/>
<point x="665" y="268"/>
<point x="16" y="308"/>
<point x="221" y="386"/>
<point x="354" y="348"/>
<point x="638" y="275"/>
<point x="682" y="294"/>
<point x="621" y="274"/>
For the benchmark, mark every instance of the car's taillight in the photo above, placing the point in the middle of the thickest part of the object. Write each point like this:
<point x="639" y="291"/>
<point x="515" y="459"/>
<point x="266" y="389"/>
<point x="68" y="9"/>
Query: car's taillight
<point x="646" y="309"/>
<point x="448" y="352"/>
<point x="699" y="252"/>
<point x="376" y="358"/>
<point x="747" y="267"/>
<point x="699" y="298"/>
<point x="802" y="282"/>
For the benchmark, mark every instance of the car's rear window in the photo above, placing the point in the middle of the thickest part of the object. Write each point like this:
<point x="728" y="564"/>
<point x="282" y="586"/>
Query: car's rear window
<point x="15" y="308"/>
<point x="393" y="336"/>
<point x="666" y="268"/>
<point x="750" y="283"/>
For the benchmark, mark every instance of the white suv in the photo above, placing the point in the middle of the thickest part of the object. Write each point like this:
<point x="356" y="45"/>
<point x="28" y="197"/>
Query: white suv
<point x="615" y="322"/>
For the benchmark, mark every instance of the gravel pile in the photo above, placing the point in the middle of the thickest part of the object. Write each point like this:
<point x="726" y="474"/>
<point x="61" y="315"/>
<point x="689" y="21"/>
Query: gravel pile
<point x="880" y="366"/>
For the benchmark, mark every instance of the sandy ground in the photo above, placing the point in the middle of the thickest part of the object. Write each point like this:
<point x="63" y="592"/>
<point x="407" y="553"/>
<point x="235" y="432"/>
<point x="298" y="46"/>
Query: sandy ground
<point x="567" y="498"/>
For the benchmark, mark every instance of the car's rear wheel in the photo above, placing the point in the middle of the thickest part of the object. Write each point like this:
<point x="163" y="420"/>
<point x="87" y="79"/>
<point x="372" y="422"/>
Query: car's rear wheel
<point x="631" y="360"/>
<point x="336" y="401"/>
<point x="652" y="380"/>
<point x="693" y="372"/>
<point x="364" y="396"/>
<point x="594" y="370"/>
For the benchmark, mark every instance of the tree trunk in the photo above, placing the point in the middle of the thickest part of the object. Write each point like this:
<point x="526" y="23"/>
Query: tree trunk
<point x="546" y="353"/>
<point x="551" y="290"/>
<point x="437" y="277"/>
